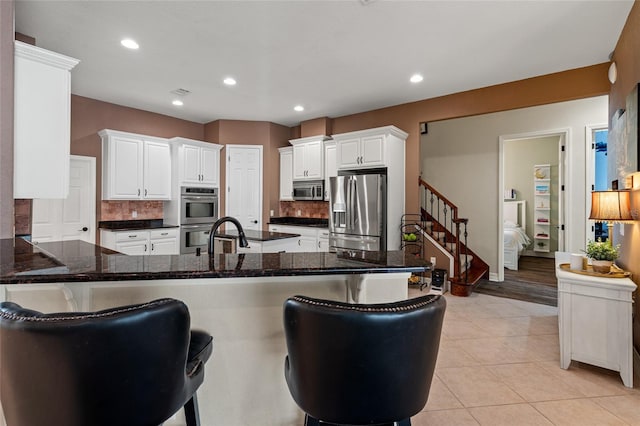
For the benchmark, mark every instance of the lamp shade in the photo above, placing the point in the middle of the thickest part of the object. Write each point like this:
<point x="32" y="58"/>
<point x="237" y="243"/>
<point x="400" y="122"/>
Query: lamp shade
<point x="610" y="206"/>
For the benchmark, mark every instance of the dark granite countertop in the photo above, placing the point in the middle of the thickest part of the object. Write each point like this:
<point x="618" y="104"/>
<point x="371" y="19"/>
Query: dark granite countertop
<point x="300" y="221"/>
<point x="256" y="235"/>
<point x="130" y="225"/>
<point x="78" y="261"/>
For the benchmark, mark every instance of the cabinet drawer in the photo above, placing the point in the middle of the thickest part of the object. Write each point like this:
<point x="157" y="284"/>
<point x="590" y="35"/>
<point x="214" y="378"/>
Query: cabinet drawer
<point x="132" y="236"/>
<point x="163" y="233"/>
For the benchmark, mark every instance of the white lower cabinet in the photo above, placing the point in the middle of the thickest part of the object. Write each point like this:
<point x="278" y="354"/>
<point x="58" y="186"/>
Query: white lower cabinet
<point x="270" y="246"/>
<point x="141" y="242"/>
<point x="311" y="239"/>
<point x="323" y="240"/>
<point x="164" y="241"/>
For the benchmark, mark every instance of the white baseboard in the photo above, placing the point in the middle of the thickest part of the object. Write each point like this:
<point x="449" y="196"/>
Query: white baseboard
<point x="493" y="276"/>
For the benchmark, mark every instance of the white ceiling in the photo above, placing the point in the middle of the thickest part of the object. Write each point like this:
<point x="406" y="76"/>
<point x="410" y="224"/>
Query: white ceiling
<point x="334" y="57"/>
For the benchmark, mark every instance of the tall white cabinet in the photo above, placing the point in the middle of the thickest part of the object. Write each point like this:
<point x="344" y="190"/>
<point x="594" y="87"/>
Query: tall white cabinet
<point x="42" y="122"/>
<point x="381" y="147"/>
<point x="330" y="165"/>
<point x="286" y="173"/>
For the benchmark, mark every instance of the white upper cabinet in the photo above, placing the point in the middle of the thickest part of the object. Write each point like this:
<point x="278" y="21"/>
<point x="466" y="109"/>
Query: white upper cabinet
<point x="157" y="170"/>
<point x="135" y="167"/>
<point x="286" y="173"/>
<point x="42" y="122"/>
<point x="198" y="162"/>
<point x="369" y="148"/>
<point x="308" y="158"/>
<point x="330" y="165"/>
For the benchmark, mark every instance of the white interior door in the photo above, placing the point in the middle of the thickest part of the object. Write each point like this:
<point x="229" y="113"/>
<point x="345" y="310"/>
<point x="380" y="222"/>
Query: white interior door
<point x="244" y="185"/>
<point x="72" y="218"/>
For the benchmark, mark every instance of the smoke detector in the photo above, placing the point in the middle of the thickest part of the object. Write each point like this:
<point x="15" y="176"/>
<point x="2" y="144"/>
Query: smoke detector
<point x="180" y="92"/>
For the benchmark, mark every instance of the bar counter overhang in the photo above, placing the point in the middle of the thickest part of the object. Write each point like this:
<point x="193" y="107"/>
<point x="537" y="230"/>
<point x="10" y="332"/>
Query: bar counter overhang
<point x="237" y="298"/>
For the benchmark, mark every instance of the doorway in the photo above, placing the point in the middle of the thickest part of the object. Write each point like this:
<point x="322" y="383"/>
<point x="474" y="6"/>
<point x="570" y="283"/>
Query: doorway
<point x="244" y="185"/>
<point x="72" y="218"/>
<point x="532" y="172"/>
<point x="596" y="172"/>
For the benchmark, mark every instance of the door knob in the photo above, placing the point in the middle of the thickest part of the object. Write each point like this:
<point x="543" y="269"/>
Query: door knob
<point x="84" y="229"/>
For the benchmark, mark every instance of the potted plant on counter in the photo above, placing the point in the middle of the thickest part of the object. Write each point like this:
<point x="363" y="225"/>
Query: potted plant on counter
<point x="602" y="255"/>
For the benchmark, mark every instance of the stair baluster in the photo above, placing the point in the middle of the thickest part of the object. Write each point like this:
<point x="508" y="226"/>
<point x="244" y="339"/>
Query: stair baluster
<point x="450" y="231"/>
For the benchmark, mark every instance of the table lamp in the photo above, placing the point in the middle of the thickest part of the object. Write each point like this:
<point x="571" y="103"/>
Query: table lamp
<point x="611" y="207"/>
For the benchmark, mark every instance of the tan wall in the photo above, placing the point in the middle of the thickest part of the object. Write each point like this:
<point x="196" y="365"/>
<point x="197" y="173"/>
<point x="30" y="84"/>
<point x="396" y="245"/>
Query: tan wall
<point x="568" y="85"/>
<point x="461" y="159"/>
<point x="89" y="116"/>
<point x="627" y="58"/>
<point x="238" y="132"/>
<point x="316" y="127"/>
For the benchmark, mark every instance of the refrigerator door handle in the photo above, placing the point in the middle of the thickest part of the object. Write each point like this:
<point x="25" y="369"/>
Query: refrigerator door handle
<point x="351" y="205"/>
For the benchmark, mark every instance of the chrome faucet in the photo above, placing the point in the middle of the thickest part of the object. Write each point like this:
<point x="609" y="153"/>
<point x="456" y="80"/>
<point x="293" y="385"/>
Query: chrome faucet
<point x="216" y="225"/>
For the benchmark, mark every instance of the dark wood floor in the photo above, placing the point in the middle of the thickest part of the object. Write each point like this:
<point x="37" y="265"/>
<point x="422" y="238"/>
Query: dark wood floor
<point x="534" y="281"/>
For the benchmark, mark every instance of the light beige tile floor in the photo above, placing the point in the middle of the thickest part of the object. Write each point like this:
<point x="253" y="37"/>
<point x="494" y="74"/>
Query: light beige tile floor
<point x="499" y="364"/>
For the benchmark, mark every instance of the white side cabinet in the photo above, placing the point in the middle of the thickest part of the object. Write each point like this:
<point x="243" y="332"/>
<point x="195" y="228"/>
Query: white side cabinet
<point x="594" y="319"/>
<point x="308" y="158"/>
<point x="42" y="122"/>
<point x="141" y="242"/>
<point x="135" y="167"/>
<point x="330" y="165"/>
<point x="286" y="173"/>
<point x="196" y="163"/>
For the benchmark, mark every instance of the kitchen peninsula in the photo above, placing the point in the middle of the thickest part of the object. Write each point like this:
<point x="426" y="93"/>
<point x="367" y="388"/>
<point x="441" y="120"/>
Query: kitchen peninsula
<point x="236" y="297"/>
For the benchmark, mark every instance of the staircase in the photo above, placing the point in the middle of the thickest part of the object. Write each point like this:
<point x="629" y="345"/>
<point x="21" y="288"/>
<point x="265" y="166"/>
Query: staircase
<point x="440" y="225"/>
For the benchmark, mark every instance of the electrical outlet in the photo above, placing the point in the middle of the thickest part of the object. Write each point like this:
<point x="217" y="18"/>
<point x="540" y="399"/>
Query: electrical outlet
<point x="271" y="213"/>
<point x="299" y="213"/>
<point x="433" y="261"/>
<point x="134" y="214"/>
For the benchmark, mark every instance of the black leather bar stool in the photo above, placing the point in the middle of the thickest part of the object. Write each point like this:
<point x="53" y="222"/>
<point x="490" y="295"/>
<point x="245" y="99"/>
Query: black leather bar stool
<point x="133" y="365"/>
<point x="358" y="364"/>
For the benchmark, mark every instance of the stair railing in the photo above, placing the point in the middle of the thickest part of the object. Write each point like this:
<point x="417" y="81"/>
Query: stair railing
<point x="443" y="215"/>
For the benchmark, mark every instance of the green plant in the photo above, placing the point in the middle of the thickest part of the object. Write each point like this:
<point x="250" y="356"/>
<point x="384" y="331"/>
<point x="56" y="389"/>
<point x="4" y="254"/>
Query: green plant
<point x="599" y="250"/>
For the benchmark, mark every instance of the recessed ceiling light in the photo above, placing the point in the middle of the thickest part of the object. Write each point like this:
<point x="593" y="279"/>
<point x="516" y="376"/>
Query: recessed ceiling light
<point x="416" y="78"/>
<point x="177" y="102"/>
<point x="298" y="108"/>
<point x="229" y="81"/>
<point x="129" y="44"/>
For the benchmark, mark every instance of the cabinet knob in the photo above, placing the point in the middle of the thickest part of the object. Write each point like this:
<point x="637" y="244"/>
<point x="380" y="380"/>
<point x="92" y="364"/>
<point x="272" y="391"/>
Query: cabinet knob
<point x="255" y="221"/>
<point x="84" y="229"/>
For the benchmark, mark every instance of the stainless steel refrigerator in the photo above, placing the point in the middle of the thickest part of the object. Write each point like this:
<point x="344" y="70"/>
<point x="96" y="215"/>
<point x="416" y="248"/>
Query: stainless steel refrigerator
<point x="358" y="206"/>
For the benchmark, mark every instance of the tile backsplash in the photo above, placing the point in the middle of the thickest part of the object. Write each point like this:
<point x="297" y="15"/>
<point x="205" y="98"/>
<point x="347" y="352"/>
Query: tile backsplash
<point x="123" y="210"/>
<point x="315" y="209"/>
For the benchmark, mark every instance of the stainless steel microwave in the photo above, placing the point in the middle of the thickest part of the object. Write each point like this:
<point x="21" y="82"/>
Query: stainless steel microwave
<point x="199" y="205"/>
<point x="308" y="190"/>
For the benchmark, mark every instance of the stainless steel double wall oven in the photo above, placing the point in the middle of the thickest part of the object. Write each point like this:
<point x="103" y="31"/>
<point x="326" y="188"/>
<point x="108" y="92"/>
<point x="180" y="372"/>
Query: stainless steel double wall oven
<point x="198" y="212"/>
